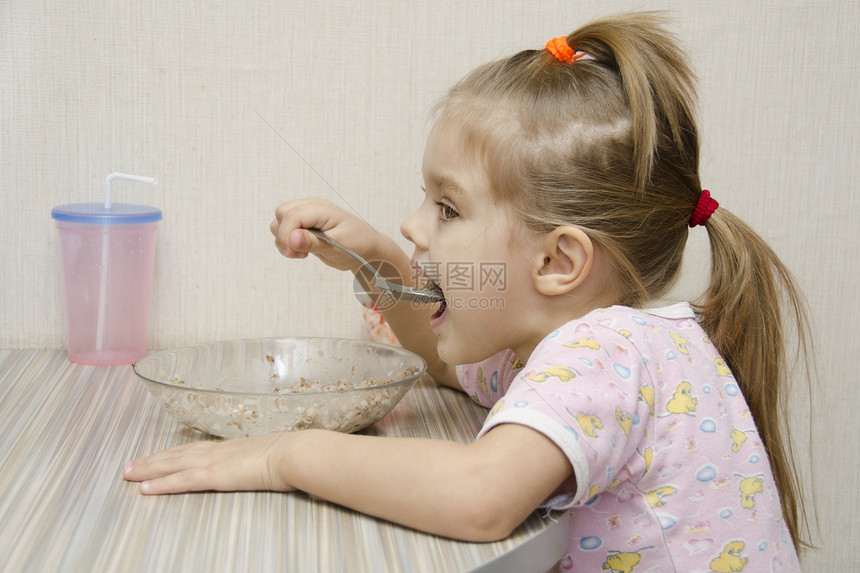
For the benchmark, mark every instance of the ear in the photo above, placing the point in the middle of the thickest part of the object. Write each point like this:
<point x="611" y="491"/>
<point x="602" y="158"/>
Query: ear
<point x="566" y="256"/>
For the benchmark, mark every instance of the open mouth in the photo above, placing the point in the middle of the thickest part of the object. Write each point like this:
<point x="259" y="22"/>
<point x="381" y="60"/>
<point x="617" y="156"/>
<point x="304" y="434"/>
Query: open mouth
<point x="436" y="289"/>
<point x="432" y="285"/>
<point x="443" y="306"/>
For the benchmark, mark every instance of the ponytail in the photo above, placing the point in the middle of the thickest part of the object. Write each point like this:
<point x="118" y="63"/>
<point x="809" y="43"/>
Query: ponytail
<point x="750" y="296"/>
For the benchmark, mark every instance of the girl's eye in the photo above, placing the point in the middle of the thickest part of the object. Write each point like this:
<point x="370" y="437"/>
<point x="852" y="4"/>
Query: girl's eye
<point x="447" y="212"/>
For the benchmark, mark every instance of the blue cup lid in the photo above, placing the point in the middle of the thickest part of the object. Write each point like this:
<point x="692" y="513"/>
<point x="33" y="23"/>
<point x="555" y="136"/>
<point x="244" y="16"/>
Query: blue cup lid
<point x="116" y="214"/>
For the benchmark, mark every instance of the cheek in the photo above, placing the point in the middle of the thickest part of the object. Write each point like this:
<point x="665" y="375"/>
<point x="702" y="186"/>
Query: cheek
<point x="480" y="322"/>
<point x="466" y="342"/>
<point x="466" y="271"/>
<point x="460" y="284"/>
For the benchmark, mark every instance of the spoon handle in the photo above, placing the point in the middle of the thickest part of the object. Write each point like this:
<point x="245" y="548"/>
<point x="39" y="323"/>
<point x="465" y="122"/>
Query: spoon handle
<point x="386" y="287"/>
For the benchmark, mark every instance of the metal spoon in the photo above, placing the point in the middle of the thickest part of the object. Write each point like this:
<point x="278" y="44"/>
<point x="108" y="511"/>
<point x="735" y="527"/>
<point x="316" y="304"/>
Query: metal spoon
<point x="397" y="292"/>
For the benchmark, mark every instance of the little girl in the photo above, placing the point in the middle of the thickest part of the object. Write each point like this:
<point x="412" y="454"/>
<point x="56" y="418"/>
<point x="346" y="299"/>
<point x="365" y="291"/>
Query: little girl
<point x="564" y="180"/>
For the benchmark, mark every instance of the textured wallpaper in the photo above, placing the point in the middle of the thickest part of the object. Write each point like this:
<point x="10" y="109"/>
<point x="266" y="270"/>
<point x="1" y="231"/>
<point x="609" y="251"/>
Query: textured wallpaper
<point x="236" y="106"/>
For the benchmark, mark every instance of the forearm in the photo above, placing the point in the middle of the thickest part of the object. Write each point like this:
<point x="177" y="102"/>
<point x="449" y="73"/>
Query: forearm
<point x="410" y="322"/>
<point x="474" y="492"/>
<point x="394" y="479"/>
<point x="412" y="327"/>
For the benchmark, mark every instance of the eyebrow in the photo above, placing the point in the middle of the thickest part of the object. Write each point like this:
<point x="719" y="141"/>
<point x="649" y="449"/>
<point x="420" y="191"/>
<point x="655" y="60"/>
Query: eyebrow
<point x="447" y="185"/>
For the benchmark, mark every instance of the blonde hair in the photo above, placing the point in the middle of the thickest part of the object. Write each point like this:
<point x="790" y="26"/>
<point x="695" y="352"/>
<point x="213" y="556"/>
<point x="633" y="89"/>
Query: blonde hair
<point x="609" y="143"/>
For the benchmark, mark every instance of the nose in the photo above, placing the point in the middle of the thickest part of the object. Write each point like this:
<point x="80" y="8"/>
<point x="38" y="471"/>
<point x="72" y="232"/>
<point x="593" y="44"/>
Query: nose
<point x="411" y="230"/>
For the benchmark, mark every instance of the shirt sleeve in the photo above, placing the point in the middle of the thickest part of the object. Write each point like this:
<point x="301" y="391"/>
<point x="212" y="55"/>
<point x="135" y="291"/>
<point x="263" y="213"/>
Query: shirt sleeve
<point x="581" y="389"/>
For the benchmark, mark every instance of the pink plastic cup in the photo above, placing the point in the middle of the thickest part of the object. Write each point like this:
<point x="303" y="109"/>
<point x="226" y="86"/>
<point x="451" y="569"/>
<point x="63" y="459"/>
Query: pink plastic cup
<point x="107" y="253"/>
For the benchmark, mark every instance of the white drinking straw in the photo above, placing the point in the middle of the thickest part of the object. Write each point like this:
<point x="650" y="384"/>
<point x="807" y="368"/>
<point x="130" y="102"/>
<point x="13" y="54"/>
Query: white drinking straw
<point x="112" y="176"/>
<point x="105" y="247"/>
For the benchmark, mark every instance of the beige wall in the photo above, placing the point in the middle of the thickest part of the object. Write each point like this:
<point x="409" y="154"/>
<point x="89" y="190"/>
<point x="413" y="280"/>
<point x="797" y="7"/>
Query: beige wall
<point x="230" y="103"/>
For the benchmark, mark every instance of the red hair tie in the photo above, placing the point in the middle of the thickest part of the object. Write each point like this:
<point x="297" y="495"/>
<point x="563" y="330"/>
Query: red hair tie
<point x="562" y="51"/>
<point x="704" y="209"/>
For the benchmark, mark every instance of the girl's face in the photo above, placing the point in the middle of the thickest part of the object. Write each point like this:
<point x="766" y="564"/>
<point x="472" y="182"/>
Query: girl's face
<point x="475" y="249"/>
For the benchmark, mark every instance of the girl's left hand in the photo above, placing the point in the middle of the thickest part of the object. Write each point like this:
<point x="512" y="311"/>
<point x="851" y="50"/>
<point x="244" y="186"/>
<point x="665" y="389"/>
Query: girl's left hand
<point x="232" y="465"/>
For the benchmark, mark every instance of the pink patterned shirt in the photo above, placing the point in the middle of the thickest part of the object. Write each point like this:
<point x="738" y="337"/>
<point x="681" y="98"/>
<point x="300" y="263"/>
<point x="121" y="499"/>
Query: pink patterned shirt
<point x="671" y="474"/>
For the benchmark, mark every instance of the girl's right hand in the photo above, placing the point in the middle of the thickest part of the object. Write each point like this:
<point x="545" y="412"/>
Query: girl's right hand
<point x="293" y="218"/>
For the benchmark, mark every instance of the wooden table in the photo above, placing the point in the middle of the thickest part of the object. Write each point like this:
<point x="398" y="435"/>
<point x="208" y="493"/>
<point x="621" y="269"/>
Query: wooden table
<point x="66" y="430"/>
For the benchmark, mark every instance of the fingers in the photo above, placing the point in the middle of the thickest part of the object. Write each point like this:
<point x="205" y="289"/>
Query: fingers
<point x="170" y="461"/>
<point x="292" y="217"/>
<point x="297" y="244"/>
<point x="197" y="479"/>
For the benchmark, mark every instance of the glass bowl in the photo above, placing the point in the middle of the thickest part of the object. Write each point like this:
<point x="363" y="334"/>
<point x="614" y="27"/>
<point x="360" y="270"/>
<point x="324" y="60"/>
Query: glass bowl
<point x="259" y="386"/>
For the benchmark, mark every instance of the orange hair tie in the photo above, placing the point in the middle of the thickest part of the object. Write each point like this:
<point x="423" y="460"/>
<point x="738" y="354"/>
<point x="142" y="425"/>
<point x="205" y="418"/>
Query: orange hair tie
<point x="562" y="51"/>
